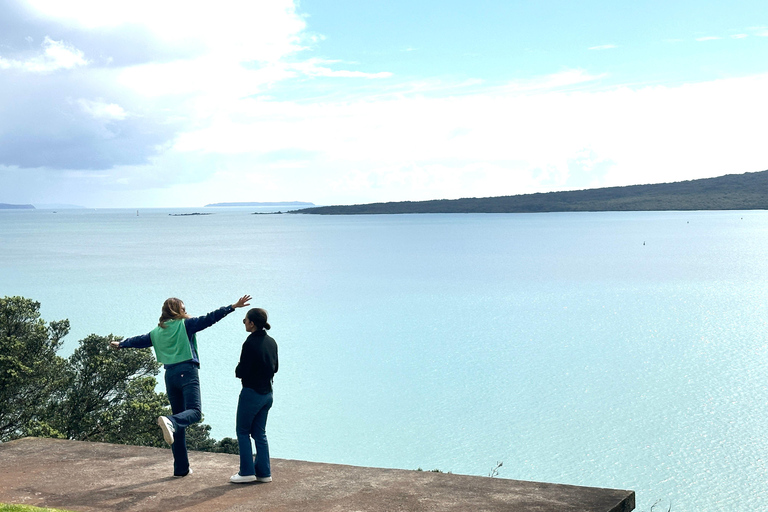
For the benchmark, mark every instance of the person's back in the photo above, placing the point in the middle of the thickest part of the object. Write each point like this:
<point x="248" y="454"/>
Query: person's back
<point x="258" y="365"/>
<point x="258" y="362"/>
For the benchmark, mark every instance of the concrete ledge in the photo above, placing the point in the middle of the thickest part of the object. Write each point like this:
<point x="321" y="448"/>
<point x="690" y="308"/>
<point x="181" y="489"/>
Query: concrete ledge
<point x="97" y="477"/>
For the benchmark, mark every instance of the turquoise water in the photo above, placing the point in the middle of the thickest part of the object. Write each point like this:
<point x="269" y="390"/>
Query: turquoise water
<point x="623" y="350"/>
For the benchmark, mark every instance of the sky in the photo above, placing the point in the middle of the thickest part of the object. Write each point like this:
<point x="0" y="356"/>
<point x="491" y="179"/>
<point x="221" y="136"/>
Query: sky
<point x="180" y="104"/>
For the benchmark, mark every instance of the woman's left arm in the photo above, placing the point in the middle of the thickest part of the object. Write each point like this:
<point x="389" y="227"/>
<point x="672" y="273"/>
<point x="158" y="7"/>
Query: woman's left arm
<point x="199" y="323"/>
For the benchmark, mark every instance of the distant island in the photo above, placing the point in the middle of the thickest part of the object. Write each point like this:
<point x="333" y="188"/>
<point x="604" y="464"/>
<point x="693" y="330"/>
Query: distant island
<point x="286" y="203"/>
<point x="59" y="206"/>
<point x="6" y="206"/>
<point x="748" y="191"/>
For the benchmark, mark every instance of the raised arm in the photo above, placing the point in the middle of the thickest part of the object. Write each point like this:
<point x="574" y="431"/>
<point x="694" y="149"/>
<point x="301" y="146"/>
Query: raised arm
<point x="199" y="323"/>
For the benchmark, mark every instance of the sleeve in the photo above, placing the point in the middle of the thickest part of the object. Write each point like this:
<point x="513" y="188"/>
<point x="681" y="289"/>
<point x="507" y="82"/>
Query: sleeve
<point x="199" y="323"/>
<point x="276" y="360"/>
<point x="142" y="341"/>
<point x="240" y="369"/>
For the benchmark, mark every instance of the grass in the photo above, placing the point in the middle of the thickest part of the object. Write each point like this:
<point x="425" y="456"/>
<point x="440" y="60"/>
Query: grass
<point x="4" y="507"/>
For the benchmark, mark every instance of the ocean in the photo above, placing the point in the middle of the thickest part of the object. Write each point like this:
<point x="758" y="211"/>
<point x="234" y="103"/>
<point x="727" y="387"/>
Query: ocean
<point x="620" y="349"/>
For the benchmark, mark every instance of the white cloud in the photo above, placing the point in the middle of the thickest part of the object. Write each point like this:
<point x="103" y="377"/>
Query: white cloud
<point x="99" y="109"/>
<point x="507" y="141"/>
<point x="563" y="79"/>
<point x="316" y="67"/>
<point x="56" y="55"/>
<point x="708" y="38"/>
<point x="603" y="47"/>
<point x="240" y="30"/>
<point x="228" y="41"/>
<point x="415" y="140"/>
<point x="237" y="48"/>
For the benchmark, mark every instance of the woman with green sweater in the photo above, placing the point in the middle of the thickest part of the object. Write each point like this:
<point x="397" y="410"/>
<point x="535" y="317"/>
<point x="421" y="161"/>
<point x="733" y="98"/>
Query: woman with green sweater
<point x="175" y="346"/>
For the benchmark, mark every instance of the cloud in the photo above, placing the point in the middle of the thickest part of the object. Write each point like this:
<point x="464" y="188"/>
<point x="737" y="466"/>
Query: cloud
<point x="113" y="84"/>
<point x="603" y="47"/>
<point x="317" y="67"/>
<point x="133" y="104"/>
<point x="708" y="38"/>
<point x="491" y="142"/>
<point x="56" y="55"/>
<point x="65" y="103"/>
<point x="99" y="109"/>
<point x="495" y="141"/>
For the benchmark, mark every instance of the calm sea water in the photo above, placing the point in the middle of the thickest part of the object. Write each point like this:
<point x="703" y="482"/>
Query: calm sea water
<point x="623" y="350"/>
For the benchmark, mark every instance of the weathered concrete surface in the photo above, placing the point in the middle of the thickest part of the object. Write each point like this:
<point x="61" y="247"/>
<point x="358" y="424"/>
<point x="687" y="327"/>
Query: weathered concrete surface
<point x="95" y="477"/>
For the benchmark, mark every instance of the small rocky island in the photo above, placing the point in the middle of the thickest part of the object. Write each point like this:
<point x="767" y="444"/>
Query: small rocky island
<point x="273" y="204"/>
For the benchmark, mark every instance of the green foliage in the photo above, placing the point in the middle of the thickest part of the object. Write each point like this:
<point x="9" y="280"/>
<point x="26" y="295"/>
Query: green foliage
<point x="26" y="508"/>
<point x="30" y="370"/>
<point x="108" y="395"/>
<point x="227" y="445"/>
<point x="199" y="439"/>
<point x="433" y="471"/>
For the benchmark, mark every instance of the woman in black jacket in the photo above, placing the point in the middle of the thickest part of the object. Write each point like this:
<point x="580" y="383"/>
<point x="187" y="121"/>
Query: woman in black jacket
<point x="258" y="364"/>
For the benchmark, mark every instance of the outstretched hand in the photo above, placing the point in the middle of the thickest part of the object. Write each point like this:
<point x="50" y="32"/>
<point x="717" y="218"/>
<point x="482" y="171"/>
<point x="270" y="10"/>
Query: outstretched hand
<point x="242" y="302"/>
<point x="114" y="344"/>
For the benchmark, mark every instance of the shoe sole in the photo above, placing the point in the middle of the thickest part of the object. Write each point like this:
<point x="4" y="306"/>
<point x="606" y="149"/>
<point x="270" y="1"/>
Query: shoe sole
<point x="249" y="481"/>
<point x="167" y="434"/>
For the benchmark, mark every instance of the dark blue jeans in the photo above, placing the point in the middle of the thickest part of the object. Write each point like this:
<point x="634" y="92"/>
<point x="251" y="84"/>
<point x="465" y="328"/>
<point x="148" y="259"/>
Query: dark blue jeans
<point x="252" y="410"/>
<point x="182" y="384"/>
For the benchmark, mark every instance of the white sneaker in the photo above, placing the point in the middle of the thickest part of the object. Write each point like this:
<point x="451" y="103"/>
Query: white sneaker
<point x="264" y="479"/>
<point x="182" y="476"/>
<point x="167" y="427"/>
<point x="238" y="479"/>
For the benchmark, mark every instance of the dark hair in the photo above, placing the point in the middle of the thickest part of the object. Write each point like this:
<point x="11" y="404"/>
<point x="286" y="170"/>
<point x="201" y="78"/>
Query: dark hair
<point x="173" y="309"/>
<point x="259" y="317"/>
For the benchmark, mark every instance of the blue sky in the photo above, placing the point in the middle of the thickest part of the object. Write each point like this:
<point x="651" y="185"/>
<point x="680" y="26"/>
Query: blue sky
<point x="338" y="102"/>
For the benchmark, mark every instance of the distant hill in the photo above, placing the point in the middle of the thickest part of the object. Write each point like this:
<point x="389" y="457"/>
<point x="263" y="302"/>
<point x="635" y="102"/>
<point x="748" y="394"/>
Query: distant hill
<point x="59" y="206"/>
<point x="748" y="191"/>
<point x="286" y="203"/>
<point x="6" y="206"/>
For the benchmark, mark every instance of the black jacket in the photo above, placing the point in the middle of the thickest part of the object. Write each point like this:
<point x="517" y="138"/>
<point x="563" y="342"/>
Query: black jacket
<point x="258" y="362"/>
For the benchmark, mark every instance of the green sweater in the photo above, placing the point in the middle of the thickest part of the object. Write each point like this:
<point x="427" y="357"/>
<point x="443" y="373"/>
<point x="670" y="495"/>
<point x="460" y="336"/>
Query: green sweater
<point x="171" y="343"/>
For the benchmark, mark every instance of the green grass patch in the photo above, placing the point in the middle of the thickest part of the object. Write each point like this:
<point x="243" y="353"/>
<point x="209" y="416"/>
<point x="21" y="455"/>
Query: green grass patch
<point x="26" y="508"/>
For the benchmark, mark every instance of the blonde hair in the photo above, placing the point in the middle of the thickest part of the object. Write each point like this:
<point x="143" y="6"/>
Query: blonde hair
<point x="173" y="309"/>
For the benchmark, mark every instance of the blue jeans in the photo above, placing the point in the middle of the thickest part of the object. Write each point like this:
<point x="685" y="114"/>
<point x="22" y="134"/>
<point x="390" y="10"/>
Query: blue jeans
<point x="252" y="410"/>
<point x="182" y="384"/>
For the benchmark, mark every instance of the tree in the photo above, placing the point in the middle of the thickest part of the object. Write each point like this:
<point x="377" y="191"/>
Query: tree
<point x="227" y="445"/>
<point x="30" y="370"/>
<point x="108" y="395"/>
<point x="199" y="439"/>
